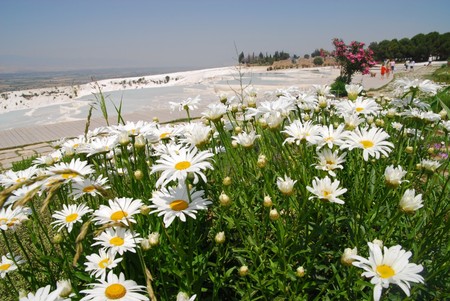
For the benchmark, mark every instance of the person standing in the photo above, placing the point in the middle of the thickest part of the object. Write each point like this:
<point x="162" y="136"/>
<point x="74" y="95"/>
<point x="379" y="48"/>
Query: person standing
<point x="383" y="70"/>
<point x="430" y="59"/>
<point x="411" y="65"/>
<point x="392" y="66"/>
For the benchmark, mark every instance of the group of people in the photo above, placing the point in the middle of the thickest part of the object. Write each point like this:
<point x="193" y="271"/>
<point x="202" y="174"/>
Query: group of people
<point x="388" y="66"/>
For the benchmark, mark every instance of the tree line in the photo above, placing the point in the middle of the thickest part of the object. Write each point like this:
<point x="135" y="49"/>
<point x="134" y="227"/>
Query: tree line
<point x="264" y="59"/>
<point x="418" y="48"/>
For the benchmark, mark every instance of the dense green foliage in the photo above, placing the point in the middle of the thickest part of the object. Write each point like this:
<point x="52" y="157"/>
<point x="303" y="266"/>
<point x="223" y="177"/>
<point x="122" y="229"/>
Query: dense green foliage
<point x="418" y="48"/>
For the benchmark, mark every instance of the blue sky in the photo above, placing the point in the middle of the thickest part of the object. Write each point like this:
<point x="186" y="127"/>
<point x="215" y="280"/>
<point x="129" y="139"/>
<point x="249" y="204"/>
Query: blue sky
<point x="80" y="34"/>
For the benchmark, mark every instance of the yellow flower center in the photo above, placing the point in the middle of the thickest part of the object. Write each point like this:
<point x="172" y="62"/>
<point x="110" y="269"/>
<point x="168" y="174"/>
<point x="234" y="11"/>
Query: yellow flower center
<point x="326" y="193"/>
<point x="103" y="264"/>
<point x="3" y="220"/>
<point x="116" y="241"/>
<point x="118" y="215"/>
<point x="366" y="143"/>
<point x="329" y="162"/>
<point x="115" y="291"/>
<point x="178" y="205"/>
<point x="4" y="267"/>
<point x="164" y="135"/>
<point x="359" y="109"/>
<point x="182" y="165"/>
<point x="69" y="175"/>
<point x="19" y="180"/>
<point x="71" y="217"/>
<point x="385" y="271"/>
<point x="75" y="145"/>
<point x="89" y="188"/>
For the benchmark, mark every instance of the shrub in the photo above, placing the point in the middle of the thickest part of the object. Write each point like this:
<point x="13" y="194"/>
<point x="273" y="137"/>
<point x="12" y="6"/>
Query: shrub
<point x="318" y="61"/>
<point x="338" y="87"/>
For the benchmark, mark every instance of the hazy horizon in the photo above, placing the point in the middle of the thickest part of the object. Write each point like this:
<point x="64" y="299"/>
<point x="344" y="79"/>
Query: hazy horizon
<point x="51" y="35"/>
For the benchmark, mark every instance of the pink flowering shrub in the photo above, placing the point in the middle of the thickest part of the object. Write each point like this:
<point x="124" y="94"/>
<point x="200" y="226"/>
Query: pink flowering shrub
<point x="352" y="58"/>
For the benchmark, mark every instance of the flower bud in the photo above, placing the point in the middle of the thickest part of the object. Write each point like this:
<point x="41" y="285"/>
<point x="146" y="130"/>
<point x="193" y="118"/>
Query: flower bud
<point x="220" y="238"/>
<point x="409" y="149"/>
<point x="369" y="119"/>
<point x="243" y="270"/>
<point x="238" y="130"/>
<point x="378" y="242"/>
<point x="346" y="258"/>
<point x="226" y="181"/>
<point x="443" y="114"/>
<point x="145" y="244"/>
<point x="379" y="122"/>
<point x="58" y="238"/>
<point x="145" y="210"/>
<point x="153" y="239"/>
<point x="300" y="272"/>
<point x="274" y="215"/>
<point x="124" y="139"/>
<point x="262" y="161"/>
<point x="155" y="119"/>
<point x="65" y="286"/>
<point x="267" y="201"/>
<point x="138" y="174"/>
<point x="224" y="200"/>
<point x="139" y="142"/>
<point x="431" y="150"/>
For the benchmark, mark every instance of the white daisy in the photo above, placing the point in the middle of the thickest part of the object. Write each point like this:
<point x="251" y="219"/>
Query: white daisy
<point x="97" y="264"/>
<point x="360" y="106"/>
<point x="353" y="91"/>
<point x="10" y="218"/>
<point x="70" y="215"/>
<point x="175" y="202"/>
<point x="429" y="165"/>
<point x="246" y="139"/>
<point x="410" y="202"/>
<point x="391" y="267"/>
<point x="214" y="112"/>
<point x="177" y="165"/>
<point x="186" y="104"/>
<point x="286" y="185"/>
<point x="372" y="142"/>
<point x="99" y="145"/>
<point x="302" y="132"/>
<point x="326" y="190"/>
<point x="74" y="170"/>
<point x="196" y="134"/>
<point x="182" y="296"/>
<point x="91" y="187"/>
<point x="44" y="294"/>
<point x="9" y="264"/>
<point x="330" y="136"/>
<point x="10" y="177"/>
<point x="119" y="210"/>
<point x="329" y="161"/>
<point x="393" y="175"/>
<point x="118" y="240"/>
<point x="115" y="288"/>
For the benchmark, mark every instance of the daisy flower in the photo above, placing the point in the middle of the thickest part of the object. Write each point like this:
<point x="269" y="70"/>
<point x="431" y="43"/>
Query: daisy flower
<point x="196" y="134"/>
<point x="186" y="104"/>
<point x="429" y="165"/>
<point x="353" y="91"/>
<point x="246" y="139"/>
<point x="9" y="264"/>
<point x="91" y="187"/>
<point x="298" y="132"/>
<point x="329" y="161"/>
<point x="175" y="202"/>
<point x="44" y="294"/>
<point x="74" y="170"/>
<point x="391" y="267"/>
<point x="10" y="177"/>
<point x="118" y="240"/>
<point x="97" y="264"/>
<point x="115" y="288"/>
<point x="99" y="145"/>
<point x="372" y="142"/>
<point x="177" y="165"/>
<point x="23" y="193"/>
<point x="362" y="106"/>
<point x="10" y="218"/>
<point x="393" y="175"/>
<point x="330" y="136"/>
<point x="215" y="112"/>
<point x="182" y="296"/>
<point x="326" y="190"/>
<point x="407" y="85"/>
<point x="410" y="202"/>
<point x="70" y="215"/>
<point x="286" y="185"/>
<point x="119" y="210"/>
